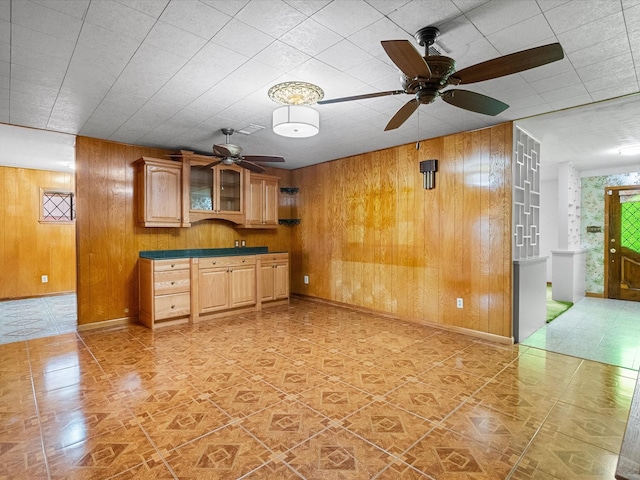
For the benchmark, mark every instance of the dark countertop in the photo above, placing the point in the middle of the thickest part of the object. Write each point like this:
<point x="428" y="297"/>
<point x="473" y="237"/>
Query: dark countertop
<point x="202" y="252"/>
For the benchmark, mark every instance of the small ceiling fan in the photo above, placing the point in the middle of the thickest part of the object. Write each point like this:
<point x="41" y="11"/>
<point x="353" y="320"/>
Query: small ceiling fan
<point x="230" y="154"/>
<point x="425" y="77"/>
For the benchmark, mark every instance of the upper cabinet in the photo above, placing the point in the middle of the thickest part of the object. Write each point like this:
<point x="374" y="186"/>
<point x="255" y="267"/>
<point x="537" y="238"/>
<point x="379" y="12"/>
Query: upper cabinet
<point x="216" y="192"/>
<point x="262" y="201"/>
<point x="159" y="190"/>
<point x="193" y="187"/>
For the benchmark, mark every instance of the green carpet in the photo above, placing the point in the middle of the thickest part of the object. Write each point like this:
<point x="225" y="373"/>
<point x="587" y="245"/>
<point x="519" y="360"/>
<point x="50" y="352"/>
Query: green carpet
<point x="555" y="308"/>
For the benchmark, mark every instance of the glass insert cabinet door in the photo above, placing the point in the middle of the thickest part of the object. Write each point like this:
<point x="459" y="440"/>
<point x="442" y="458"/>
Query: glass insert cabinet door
<point x="201" y="188"/>
<point x="230" y="187"/>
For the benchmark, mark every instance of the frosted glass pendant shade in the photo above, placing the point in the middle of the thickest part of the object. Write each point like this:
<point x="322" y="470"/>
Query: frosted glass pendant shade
<point x="296" y="121"/>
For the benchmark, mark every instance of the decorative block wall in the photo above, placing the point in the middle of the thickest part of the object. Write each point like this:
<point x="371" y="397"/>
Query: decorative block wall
<point x="526" y="196"/>
<point x="573" y="209"/>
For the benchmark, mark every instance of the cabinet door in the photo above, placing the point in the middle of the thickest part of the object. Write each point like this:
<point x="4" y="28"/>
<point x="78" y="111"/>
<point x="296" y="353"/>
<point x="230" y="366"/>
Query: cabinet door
<point x="201" y="188"/>
<point x="270" y="199"/>
<point x="160" y="190"/>
<point x="254" y="202"/>
<point x="267" y="271"/>
<point x="281" y="280"/>
<point x="213" y="290"/>
<point x="228" y="189"/>
<point x="243" y="285"/>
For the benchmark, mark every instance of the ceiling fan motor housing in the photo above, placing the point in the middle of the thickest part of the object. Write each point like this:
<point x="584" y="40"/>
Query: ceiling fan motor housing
<point x="426" y="90"/>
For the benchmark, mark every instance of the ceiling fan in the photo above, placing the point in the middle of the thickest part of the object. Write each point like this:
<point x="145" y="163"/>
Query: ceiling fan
<point x="230" y="154"/>
<point x="425" y="77"/>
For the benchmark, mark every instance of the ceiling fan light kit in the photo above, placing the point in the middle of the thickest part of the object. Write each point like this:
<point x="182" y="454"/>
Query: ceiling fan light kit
<point x="426" y="77"/>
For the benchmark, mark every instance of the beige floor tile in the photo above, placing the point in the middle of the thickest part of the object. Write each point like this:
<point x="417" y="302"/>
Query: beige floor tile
<point x="562" y="456"/>
<point x="227" y="453"/>
<point x="246" y="398"/>
<point x="445" y="455"/>
<point x="598" y="429"/>
<point x="430" y="403"/>
<point x="336" y="454"/>
<point x="173" y="428"/>
<point x="334" y="399"/>
<point x="388" y="427"/>
<point x="501" y="431"/>
<point x="285" y="425"/>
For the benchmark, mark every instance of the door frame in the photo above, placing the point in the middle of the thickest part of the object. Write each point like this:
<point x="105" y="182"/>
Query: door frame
<point x="607" y="236"/>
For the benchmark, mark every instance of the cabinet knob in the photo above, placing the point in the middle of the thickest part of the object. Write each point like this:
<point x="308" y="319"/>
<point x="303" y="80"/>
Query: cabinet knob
<point x="173" y="306"/>
<point x="214" y="262"/>
<point x="173" y="283"/>
<point x="244" y="260"/>
<point x="172" y="265"/>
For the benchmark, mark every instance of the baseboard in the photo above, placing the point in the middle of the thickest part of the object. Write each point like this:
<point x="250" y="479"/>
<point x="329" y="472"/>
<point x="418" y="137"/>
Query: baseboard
<point x="27" y="297"/>
<point x="451" y="328"/>
<point x="594" y="295"/>
<point x="116" y="322"/>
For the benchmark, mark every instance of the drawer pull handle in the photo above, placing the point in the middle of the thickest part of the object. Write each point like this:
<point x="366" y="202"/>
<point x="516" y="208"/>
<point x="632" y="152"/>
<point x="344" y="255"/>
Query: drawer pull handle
<point x="173" y="283"/>
<point x="173" y="306"/>
<point x="244" y="260"/>
<point x="172" y="265"/>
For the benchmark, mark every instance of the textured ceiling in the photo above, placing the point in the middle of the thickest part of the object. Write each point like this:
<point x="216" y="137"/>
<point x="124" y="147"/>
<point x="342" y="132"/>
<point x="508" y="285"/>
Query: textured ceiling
<point x="173" y="73"/>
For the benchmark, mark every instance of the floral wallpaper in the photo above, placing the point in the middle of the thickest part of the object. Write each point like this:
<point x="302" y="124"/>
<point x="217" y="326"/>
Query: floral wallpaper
<point x="592" y="213"/>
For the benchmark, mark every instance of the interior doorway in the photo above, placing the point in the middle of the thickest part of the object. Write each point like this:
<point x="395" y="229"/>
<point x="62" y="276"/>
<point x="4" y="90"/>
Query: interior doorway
<point x="622" y="243"/>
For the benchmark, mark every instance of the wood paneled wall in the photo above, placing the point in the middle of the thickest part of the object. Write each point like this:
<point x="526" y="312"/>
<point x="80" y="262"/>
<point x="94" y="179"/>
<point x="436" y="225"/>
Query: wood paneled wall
<point x="28" y="248"/>
<point x="109" y="241"/>
<point x="372" y="237"/>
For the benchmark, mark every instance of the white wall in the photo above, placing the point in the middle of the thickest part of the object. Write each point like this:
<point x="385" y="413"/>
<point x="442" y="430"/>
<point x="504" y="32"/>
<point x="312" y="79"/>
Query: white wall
<point x="548" y="221"/>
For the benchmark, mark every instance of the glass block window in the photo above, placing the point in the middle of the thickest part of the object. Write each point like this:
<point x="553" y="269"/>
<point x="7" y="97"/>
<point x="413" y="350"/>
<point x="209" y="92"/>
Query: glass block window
<point x="57" y="206"/>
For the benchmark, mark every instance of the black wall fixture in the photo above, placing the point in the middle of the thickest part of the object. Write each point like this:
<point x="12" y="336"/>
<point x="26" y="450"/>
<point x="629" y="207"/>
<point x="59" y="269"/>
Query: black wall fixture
<point x="428" y="170"/>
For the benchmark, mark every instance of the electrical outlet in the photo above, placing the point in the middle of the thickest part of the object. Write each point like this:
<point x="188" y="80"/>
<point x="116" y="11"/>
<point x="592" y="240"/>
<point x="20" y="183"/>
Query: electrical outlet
<point x="45" y="278"/>
<point x="306" y="279"/>
<point x="459" y="303"/>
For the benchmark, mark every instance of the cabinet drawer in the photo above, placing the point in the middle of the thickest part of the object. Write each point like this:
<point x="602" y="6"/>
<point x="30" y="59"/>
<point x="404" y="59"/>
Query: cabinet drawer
<point x="171" y="282"/>
<point x="171" y="264"/>
<point x="169" y="306"/>
<point x="214" y="262"/>
<point x="274" y="257"/>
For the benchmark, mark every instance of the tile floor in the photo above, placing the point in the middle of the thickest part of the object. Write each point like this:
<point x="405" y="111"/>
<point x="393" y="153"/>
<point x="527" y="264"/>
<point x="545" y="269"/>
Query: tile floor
<point x="603" y="330"/>
<point x="304" y="391"/>
<point x="37" y="317"/>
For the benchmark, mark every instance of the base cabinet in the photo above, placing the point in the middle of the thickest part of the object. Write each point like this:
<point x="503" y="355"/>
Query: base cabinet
<point x="274" y="271"/>
<point x="226" y="282"/>
<point x="184" y="290"/>
<point x="165" y="291"/>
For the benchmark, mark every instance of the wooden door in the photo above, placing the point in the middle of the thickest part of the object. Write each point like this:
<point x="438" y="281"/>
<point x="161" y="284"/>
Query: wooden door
<point x="622" y="243"/>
